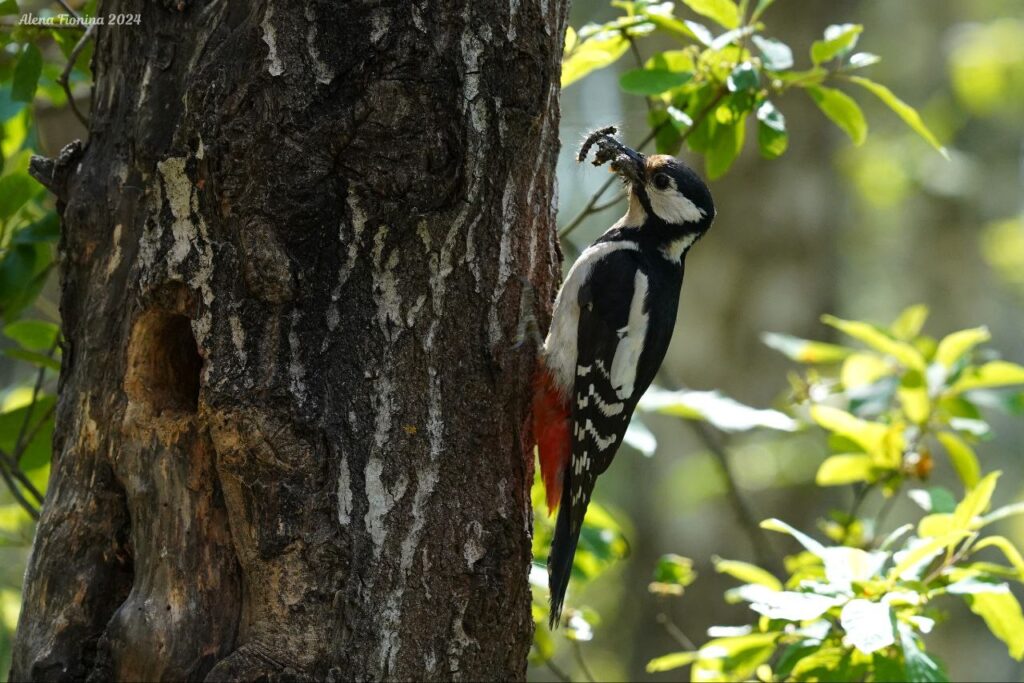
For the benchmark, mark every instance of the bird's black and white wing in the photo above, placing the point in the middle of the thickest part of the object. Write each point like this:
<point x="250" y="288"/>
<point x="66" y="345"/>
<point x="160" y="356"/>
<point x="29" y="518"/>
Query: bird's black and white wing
<point x="610" y="338"/>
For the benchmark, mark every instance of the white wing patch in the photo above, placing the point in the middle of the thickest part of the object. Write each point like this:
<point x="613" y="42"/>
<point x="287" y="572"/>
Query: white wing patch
<point x="631" y="340"/>
<point x="560" y="344"/>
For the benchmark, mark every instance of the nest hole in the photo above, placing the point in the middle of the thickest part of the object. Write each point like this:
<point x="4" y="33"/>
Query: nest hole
<point x="164" y="365"/>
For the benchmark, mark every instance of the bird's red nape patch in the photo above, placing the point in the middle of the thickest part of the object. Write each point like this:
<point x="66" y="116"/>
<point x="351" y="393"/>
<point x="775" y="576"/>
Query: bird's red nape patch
<point x="551" y="417"/>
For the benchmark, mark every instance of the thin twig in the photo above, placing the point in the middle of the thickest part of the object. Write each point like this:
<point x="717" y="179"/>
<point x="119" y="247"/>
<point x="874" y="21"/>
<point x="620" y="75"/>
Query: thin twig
<point x="578" y="653"/>
<point x="675" y="632"/>
<point x="40" y="376"/>
<point x="16" y="492"/>
<point x="67" y="8"/>
<point x="69" y="67"/>
<point x="762" y="548"/>
<point x="13" y="470"/>
<point x="559" y="674"/>
<point x="20" y="453"/>
<point x="859" y="497"/>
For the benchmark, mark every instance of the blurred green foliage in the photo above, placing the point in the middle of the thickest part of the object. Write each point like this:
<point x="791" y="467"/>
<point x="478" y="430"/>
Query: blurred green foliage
<point x="32" y="59"/>
<point x="859" y="608"/>
<point x="703" y="92"/>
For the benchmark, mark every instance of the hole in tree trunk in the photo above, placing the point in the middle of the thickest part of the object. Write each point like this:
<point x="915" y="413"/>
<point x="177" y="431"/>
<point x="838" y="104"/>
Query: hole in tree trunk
<point x="164" y="364"/>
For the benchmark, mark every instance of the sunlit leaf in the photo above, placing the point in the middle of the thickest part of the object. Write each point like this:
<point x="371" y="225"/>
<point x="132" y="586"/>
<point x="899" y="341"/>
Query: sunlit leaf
<point x="594" y="53"/>
<point x="909" y="323"/>
<point x="16" y="189"/>
<point x="905" y="353"/>
<point x="671" y="661"/>
<point x="743" y="77"/>
<point x="746" y="572"/>
<point x="902" y="109"/>
<point x="863" y="59"/>
<point x="1002" y="513"/>
<point x="1008" y="549"/>
<point x="842" y="110"/>
<point x="840" y="470"/>
<point x="777" y="56"/>
<point x="675" y="569"/>
<point x="868" y="435"/>
<point x="787" y="605"/>
<point x="726" y="144"/>
<point x="803" y="350"/>
<point x="911" y="562"/>
<point x="955" y="345"/>
<point x="863" y="369"/>
<point x="723" y="12"/>
<point x="839" y="39"/>
<point x="963" y="458"/>
<point x="806" y="541"/>
<point x="772" y="138"/>
<point x="1002" y="614"/>
<point x="868" y="625"/>
<point x="995" y="373"/>
<point x="920" y="667"/>
<point x="913" y="397"/>
<point x="975" y="503"/>
<point x="738" y="657"/>
<point x="719" y="410"/>
<point x="844" y="565"/>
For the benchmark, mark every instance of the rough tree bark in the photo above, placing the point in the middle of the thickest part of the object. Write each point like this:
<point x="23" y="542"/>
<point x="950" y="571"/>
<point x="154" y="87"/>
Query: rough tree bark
<point x="290" y="427"/>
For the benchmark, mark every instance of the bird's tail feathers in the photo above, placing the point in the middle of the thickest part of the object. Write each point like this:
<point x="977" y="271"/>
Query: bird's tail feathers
<point x="563" y="549"/>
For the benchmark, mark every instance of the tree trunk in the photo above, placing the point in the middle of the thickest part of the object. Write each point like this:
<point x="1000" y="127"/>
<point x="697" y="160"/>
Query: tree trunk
<point x="290" y="436"/>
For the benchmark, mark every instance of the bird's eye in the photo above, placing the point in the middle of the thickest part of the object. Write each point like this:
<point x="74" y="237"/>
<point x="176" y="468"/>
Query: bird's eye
<point x="661" y="181"/>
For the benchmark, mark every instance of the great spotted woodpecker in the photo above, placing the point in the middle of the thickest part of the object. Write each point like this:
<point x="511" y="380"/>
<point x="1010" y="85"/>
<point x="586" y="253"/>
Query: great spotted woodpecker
<point x="610" y="329"/>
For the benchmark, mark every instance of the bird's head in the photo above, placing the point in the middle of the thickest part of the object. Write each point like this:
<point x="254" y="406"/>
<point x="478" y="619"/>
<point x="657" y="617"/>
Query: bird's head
<point x="665" y="188"/>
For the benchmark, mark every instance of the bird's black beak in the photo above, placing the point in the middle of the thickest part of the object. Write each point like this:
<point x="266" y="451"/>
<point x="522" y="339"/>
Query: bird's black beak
<point x="628" y="163"/>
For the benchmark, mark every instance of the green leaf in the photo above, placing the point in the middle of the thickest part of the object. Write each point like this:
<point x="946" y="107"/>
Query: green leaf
<point x="803" y="350"/>
<point x="954" y="346"/>
<point x="903" y="352"/>
<point x="1008" y="549"/>
<point x="592" y="54"/>
<point x="733" y="658"/>
<point x="16" y="190"/>
<point x="963" y="458"/>
<point x="726" y="143"/>
<point x="747" y="573"/>
<point x="902" y="109"/>
<point x="26" y="74"/>
<point x="913" y="396"/>
<point x="8" y="7"/>
<point x="842" y="110"/>
<point x="671" y="661"/>
<point x="46" y="229"/>
<point x="909" y="323"/>
<point x="839" y="39"/>
<point x="975" y="503"/>
<point x="868" y="625"/>
<point x="743" y="77"/>
<point x="806" y="541"/>
<point x="673" y="26"/>
<point x="777" y="56"/>
<point x="840" y="470"/>
<point x="1002" y="614"/>
<point x="652" y="81"/>
<point x="34" y="335"/>
<point x="721" y="411"/>
<point x="724" y="12"/>
<point x="920" y="667"/>
<point x="912" y="562"/>
<point x="39" y="360"/>
<point x="675" y="569"/>
<point x="868" y="435"/>
<point x="996" y="373"/>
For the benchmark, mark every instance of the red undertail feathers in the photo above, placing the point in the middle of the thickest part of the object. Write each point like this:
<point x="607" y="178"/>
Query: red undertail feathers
<point x="551" y="418"/>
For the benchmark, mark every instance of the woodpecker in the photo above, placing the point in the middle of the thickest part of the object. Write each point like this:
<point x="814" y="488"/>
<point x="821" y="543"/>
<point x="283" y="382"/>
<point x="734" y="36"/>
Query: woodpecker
<point x="611" y="326"/>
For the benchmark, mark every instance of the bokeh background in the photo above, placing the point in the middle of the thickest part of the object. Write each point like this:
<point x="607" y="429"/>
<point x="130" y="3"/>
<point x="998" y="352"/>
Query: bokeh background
<point x="860" y="232"/>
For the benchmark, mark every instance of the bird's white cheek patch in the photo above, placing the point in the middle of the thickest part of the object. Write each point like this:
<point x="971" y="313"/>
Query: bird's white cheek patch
<point x="672" y="206"/>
